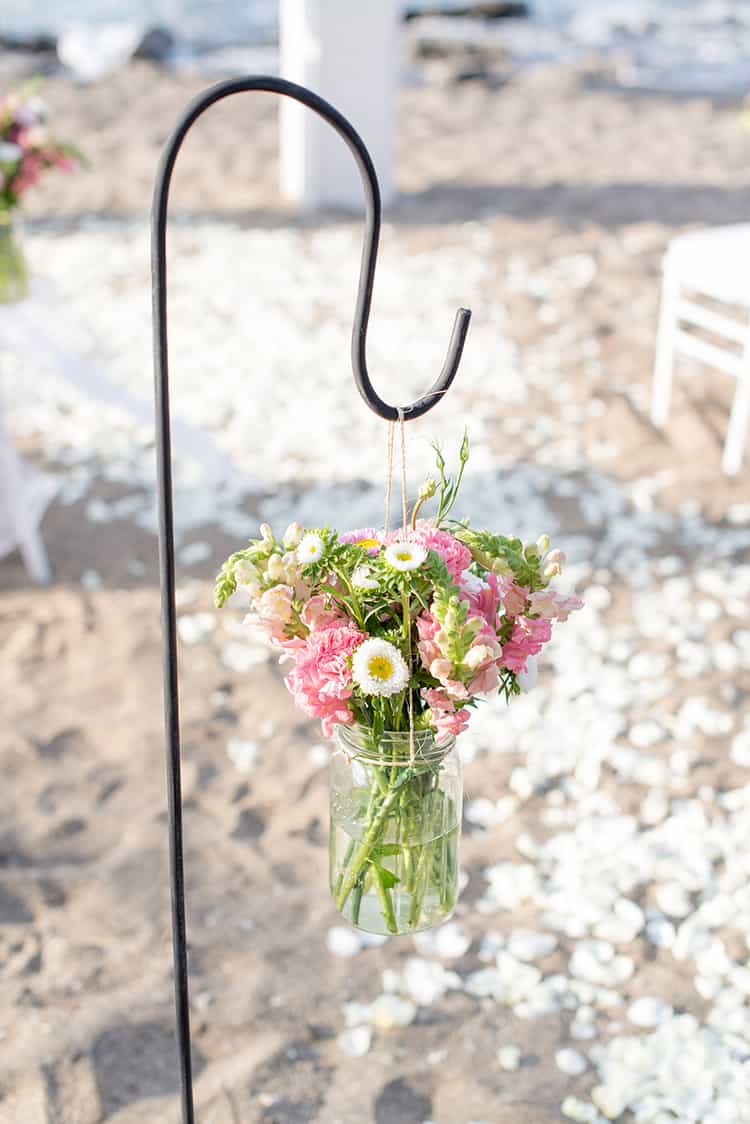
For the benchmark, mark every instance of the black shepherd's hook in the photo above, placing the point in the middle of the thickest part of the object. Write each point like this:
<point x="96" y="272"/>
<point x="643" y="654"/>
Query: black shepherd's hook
<point x="164" y="459"/>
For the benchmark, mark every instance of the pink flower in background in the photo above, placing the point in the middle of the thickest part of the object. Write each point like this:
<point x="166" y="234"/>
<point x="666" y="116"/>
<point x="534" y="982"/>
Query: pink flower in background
<point x="456" y="556"/>
<point x="513" y="596"/>
<point x="367" y="537"/>
<point x="527" y="639"/>
<point x="446" y="717"/>
<point x="321" y="680"/>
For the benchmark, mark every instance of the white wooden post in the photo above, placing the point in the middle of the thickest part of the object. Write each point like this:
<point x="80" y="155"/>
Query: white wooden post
<point x="348" y="52"/>
<point x="739" y="420"/>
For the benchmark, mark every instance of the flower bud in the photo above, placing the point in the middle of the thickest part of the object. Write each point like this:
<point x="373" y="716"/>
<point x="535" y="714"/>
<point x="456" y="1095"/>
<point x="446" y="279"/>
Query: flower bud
<point x="266" y="533"/>
<point x="292" y="536"/>
<point x="428" y="489"/>
<point x="543" y="544"/>
<point x="244" y="572"/>
<point x="275" y="569"/>
<point x="500" y="567"/>
<point x="556" y="555"/>
<point x="551" y="570"/>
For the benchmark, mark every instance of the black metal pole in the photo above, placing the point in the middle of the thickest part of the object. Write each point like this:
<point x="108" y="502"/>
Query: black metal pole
<point x="164" y="464"/>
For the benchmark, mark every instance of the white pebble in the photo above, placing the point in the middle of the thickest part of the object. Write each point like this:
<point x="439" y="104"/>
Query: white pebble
<point x="449" y="941"/>
<point x="244" y="755"/>
<point x="509" y="1057"/>
<point x="389" y="1012"/>
<point x="578" y="1110"/>
<point x="343" y="942"/>
<point x="649" y="1011"/>
<point x="570" y="1062"/>
<point x="528" y="945"/>
<point x="356" y="1042"/>
<point x="193" y="553"/>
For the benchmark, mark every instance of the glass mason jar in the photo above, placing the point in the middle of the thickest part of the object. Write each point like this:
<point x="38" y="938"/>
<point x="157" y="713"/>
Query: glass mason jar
<point x="395" y="824"/>
<point x="14" y="278"/>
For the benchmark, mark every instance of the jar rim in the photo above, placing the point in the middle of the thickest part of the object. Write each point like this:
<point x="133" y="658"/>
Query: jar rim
<point x="394" y="746"/>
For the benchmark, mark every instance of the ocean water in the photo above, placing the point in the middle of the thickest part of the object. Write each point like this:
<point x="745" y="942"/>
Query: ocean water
<point x="682" y="45"/>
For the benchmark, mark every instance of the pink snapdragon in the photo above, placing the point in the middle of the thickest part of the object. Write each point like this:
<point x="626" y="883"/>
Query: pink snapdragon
<point x="321" y="680"/>
<point x="447" y="718"/>
<point x="427" y="628"/>
<point x="317" y="614"/>
<point x="514" y="597"/>
<point x="274" y="610"/>
<point x="527" y="639"/>
<point x="547" y="603"/>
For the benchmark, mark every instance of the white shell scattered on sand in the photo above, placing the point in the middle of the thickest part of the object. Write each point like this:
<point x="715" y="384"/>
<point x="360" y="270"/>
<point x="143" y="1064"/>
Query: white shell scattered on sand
<point x="570" y="1062"/>
<point x="243" y="657"/>
<point x="509" y="1057"/>
<point x="527" y="945"/>
<point x="390" y="1011"/>
<point x="449" y="941"/>
<point x="649" y="1011"/>
<point x="343" y="941"/>
<point x="244" y="755"/>
<point x="194" y="628"/>
<point x="356" y="1042"/>
<point x="193" y="553"/>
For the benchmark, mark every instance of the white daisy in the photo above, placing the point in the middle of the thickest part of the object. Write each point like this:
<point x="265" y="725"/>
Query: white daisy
<point x="362" y="578"/>
<point x="405" y="555"/>
<point x="378" y="668"/>
<point x="310" y="549"/>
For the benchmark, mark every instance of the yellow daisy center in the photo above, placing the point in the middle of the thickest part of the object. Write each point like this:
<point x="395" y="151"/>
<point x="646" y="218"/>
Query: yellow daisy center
<point x="380" y="667"/>
<point x="404" y="555"/>
<point x="368" y="544"/>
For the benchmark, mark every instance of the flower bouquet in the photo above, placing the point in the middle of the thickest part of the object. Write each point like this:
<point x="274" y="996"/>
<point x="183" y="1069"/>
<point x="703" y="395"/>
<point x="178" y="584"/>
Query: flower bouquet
<point x="26" y="152"/>
<point x="392" y="638"/>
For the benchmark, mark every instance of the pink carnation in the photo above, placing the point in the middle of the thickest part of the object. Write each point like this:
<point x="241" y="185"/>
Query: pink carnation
<point x="321" y="680"/>
<point x="456" y="556"/>
<point x="446" y="717"/>
<point x="527" y="639"/>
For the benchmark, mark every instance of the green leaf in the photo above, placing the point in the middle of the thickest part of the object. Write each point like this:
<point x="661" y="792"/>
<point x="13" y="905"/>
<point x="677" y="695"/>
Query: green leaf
<point x="387" y="878"/>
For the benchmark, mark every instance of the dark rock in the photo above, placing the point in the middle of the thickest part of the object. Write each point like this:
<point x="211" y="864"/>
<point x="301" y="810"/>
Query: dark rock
<point x="156" y="45"/>
<point x="250" y="825"/>
<point x="399" y="1101"/>
<point x="13" y="910"/>
<point x="484" y="9"/>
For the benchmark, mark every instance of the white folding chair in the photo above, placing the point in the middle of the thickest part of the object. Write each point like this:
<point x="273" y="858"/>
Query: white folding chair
<point x="22" y="505"/>
<point x="713" y="264"/>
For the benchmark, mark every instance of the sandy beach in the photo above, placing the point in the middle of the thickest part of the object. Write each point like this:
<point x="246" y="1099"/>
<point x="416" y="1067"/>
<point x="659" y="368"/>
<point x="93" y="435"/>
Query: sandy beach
<point x="624" y="777"/>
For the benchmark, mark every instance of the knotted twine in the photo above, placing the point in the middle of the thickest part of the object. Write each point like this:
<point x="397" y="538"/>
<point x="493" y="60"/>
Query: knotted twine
<point x="405" y="530"/>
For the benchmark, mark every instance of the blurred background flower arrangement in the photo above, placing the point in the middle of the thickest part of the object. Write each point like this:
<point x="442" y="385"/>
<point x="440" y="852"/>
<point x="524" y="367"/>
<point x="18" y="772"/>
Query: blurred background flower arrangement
<point x="28" y="150"/>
